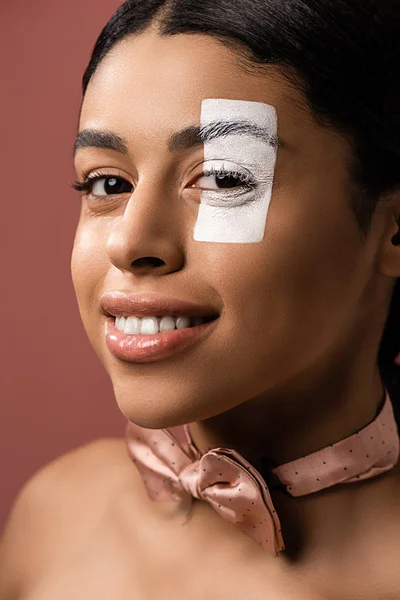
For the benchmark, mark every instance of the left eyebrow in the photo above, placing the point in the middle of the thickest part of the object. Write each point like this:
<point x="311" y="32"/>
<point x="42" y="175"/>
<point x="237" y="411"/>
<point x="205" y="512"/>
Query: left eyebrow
<point x="194" y="135"/>
<point x="187" y="138"/>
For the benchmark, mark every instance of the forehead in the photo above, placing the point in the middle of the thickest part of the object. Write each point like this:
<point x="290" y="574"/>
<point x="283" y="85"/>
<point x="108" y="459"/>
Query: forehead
<point x="154" y="84"/>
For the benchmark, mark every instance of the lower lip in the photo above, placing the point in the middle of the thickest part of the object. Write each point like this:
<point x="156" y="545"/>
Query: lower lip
<point x="152" y="348"/>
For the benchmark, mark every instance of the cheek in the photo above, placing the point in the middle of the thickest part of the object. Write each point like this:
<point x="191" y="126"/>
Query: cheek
<point x="301" y="284"/>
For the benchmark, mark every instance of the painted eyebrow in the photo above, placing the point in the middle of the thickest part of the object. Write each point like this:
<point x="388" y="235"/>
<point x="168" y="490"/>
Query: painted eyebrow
<point x="193" y="136"/>
<point x="185" y="139"/>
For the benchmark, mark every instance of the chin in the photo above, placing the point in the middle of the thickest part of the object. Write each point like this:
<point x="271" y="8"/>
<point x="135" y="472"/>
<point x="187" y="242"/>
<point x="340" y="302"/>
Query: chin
<point x="159" y="405"/>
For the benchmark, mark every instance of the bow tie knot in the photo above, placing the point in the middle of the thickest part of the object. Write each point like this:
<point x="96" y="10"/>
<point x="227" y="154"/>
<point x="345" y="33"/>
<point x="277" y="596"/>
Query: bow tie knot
<point x="221" y="477"/>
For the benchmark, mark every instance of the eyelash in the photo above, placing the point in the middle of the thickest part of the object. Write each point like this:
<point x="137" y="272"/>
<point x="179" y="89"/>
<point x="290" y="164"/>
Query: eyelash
<point x="89" y="180"/>
<point x="246" y="179"/>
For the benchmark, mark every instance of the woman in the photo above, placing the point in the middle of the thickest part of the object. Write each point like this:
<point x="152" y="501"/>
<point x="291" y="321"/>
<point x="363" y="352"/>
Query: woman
<point x="235" y="265"/>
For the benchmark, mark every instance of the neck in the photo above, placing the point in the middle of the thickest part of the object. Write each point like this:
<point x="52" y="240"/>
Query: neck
<point x="334" y="534"/>
<point x="283" y="425"/>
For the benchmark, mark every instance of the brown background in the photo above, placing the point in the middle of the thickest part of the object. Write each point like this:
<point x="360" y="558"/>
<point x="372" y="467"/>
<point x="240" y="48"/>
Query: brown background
<point x="54" y="393"/>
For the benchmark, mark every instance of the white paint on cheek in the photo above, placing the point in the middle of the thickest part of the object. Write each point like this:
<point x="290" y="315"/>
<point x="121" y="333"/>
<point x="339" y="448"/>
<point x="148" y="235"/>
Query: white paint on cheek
<point x="224" y="217"/>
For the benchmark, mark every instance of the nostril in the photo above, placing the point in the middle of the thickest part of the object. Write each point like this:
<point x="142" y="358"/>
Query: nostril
<point x="151" y="261"/>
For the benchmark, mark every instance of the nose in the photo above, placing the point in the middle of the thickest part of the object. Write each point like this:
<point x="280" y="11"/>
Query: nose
<point x="146" y="239"/>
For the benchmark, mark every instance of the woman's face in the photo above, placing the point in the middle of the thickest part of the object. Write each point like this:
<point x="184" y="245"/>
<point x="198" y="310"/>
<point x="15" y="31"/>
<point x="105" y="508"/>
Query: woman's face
<point x="287" y="303"/>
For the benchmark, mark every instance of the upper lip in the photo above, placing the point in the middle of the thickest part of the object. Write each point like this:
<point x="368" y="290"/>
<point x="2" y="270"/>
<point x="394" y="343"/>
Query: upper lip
<point x="151" y="305"/>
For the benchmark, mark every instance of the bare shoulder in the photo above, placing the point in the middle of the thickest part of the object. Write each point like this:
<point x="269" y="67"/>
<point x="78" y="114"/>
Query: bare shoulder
<point x="102" y="462"/>
<point x="64" y="499"/>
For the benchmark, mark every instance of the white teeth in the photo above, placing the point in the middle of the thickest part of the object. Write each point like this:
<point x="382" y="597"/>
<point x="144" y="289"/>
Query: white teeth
<point x="153" y="325"/>
<point x="132" y="325"/>
<point x="149" y="326"/>
<point x="182" y="322"/>
<point x="167" y="324"/>
<point x="120" y="323"/>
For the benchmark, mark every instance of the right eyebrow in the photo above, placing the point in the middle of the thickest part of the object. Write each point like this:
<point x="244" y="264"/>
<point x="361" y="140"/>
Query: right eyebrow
<point x="93" y="138"/>
<point x="187" y="138"/>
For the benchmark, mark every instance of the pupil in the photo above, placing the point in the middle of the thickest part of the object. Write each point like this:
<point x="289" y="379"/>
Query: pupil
<point x="227" y="181"/>
<point x="111" y="185"/>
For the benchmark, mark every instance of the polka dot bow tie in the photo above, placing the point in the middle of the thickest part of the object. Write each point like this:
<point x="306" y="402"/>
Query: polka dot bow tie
<point x="173" y="468"/>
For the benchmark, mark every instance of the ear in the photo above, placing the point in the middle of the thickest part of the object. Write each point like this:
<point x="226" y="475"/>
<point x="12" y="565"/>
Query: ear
<point x="390" y="243"/>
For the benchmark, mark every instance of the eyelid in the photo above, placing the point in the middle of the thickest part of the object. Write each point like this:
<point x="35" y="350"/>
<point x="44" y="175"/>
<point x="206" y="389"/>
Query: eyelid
<point x="105" y="172"/>
<point x="214" y="166"/>
<point x="237" y="172"/>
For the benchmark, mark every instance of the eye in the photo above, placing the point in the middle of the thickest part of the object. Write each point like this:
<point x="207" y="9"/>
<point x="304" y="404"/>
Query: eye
<point x="225" y="184"/>
<point x="219" y="181"/>
<point x="221" y="178"/>
<point x="103" y="185"/>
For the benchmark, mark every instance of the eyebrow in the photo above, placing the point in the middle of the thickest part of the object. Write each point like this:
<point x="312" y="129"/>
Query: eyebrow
<point x="187" y="138"/>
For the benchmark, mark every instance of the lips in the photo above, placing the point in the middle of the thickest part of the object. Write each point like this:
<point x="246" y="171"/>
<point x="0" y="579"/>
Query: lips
<point x="118" y="304"/>
<point x="139" y="348"/>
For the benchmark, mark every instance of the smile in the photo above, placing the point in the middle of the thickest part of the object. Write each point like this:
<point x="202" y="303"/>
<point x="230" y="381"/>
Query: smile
<point x="133" y="334"/>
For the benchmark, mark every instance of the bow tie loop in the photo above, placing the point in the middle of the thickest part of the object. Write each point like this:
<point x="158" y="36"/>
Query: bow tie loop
<point x="234" y="492"/>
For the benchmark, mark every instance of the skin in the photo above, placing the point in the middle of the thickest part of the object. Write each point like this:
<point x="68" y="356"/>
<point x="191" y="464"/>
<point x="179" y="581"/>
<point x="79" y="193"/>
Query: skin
<point x="302" y="312"/>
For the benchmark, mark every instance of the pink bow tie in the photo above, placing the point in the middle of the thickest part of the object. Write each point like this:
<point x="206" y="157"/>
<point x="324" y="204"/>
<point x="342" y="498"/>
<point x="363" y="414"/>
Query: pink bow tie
<point x="173" y="468"/>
